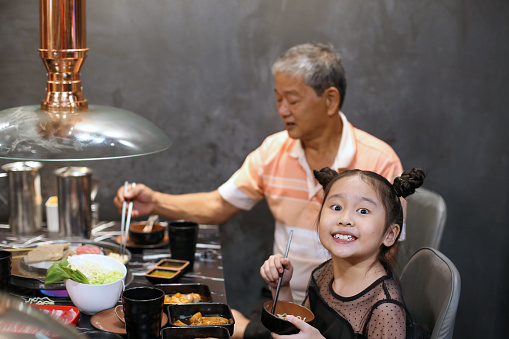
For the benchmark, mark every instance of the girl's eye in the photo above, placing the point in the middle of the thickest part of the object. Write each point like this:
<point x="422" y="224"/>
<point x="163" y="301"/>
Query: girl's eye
<point x="336" y="208"/>
<point x="363" y="211"/>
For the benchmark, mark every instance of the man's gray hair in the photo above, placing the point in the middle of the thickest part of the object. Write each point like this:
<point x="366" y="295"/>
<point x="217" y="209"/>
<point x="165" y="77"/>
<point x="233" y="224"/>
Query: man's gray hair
<point x="318" y="63"/>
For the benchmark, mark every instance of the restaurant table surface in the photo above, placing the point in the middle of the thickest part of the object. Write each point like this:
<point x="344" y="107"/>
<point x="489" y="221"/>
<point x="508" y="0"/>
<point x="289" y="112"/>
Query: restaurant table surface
<point x="207" y="268"/>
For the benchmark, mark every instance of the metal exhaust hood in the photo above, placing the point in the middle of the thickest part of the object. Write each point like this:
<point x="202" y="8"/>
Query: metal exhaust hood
<point x="64" y="127"/>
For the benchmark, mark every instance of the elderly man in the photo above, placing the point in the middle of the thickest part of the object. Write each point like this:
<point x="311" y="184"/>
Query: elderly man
<point x="310" y="88"/>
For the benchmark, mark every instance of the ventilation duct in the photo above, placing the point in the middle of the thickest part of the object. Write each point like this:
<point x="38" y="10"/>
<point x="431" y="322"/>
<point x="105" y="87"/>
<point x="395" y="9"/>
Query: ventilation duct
<point x="64" y="126"/>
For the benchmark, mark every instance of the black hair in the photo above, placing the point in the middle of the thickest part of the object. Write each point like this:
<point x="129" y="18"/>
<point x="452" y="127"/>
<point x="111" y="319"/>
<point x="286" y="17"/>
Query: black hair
<point x="389" y="194"/>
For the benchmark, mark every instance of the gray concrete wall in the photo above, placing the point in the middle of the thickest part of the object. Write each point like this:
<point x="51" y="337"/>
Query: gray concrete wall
<point x="429" y="77"/>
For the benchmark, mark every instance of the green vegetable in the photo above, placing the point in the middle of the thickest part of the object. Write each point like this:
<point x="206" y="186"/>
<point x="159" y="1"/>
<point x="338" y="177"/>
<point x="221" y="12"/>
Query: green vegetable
<point x="106" y="278"/>
<point x="62" y="270"/>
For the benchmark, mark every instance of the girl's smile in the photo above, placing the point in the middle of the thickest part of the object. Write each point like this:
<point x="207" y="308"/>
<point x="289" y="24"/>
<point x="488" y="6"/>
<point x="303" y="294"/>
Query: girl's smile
<point x="352" y="221"/>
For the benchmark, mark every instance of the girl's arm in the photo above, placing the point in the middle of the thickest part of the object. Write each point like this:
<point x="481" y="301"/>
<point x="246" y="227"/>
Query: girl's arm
<point x="270" y="271"/>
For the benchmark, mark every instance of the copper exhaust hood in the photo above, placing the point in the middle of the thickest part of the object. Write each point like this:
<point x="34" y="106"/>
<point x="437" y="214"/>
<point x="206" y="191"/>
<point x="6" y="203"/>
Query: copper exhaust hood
<point x="64" y="126"/>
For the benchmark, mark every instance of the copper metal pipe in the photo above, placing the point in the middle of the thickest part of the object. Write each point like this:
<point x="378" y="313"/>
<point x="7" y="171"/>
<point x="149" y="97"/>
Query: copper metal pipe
<point x="64" y="126"/>
<point x="63" y="51"/>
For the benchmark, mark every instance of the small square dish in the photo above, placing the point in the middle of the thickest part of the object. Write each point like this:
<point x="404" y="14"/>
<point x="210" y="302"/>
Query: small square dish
<point x="158" y="275"/>
<point x="201" y="315"/>
<point x="195" y="332"/>
<point x="185" y="293"/>
<point x="173" y="264"/>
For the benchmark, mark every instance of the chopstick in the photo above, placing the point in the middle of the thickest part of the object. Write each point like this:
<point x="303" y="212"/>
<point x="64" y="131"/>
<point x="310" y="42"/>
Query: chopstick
<point x="126" y="220"/>
<point x="281" y="274"/>
<point x="122" y="223"/>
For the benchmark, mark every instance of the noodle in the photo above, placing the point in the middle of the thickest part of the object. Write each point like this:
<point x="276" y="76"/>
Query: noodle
<point x="284" y="315"/>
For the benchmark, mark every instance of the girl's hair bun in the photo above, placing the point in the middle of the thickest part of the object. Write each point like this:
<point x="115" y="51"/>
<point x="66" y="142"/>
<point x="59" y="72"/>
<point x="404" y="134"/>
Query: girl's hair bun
<point x="324" y="176"/>
<point x="406" y="184"/>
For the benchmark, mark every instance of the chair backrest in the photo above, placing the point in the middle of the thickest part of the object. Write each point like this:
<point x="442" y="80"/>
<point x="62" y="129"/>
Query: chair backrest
<point x="431" y="286"/>
<point x="425" y="220"/>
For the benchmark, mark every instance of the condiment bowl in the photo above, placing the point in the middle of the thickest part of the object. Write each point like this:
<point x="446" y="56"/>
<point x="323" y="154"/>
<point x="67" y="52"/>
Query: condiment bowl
<point x="277" y="324"/>
<point x="90" y="299"/>
<point x="138" y="236"/>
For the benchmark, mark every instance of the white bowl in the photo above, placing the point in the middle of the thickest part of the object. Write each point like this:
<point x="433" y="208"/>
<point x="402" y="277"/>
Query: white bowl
<point x="91" y="299"/>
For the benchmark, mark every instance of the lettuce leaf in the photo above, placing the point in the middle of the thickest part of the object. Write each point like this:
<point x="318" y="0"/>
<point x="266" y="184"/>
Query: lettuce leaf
<point x="62" y="270"/>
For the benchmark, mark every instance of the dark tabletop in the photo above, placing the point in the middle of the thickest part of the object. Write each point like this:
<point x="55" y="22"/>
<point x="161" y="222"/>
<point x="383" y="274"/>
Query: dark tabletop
<point x="207" y="268"/>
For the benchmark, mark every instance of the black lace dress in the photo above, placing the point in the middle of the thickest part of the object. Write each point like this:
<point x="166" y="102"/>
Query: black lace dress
<point x="376" y="312"/>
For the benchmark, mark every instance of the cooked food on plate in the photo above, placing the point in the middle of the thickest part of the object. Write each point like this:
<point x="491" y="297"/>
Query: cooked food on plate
<point x="182" y="298"/>
<point x="197" y="319"/>
<point x="47" y="252"/>
<point x="120" y="257"/>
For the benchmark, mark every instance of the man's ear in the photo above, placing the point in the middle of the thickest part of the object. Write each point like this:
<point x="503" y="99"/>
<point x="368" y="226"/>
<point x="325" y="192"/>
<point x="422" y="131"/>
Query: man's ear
<point x="332" y="99"/>
<point x="391" y="235"/>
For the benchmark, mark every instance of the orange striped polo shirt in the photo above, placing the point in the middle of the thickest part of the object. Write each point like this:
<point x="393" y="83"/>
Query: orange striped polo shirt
<point x="278" y="172"/>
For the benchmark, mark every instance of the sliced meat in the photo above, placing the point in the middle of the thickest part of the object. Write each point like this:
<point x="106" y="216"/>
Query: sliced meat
<point x="86" y="249"/>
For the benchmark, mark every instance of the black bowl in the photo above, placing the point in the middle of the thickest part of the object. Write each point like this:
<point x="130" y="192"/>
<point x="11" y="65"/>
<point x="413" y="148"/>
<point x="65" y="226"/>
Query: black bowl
<point x="279" y="325"/>
<point x="139" y="237"/>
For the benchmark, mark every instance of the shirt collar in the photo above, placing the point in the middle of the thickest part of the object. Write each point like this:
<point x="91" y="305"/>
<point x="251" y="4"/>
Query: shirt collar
<point x="344" y="156"/>
<point x="346" y="149"/>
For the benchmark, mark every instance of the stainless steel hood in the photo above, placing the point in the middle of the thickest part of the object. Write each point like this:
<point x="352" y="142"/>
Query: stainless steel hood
<point x="64" y="126"/>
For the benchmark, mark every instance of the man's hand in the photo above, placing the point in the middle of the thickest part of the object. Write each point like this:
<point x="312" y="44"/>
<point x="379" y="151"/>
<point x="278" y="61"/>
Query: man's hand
<point x="142" y="197"/>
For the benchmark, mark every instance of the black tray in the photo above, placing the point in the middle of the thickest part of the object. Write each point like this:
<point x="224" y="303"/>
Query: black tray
<point x="171" y="289"/>
<point x="195" y="332"/>
<point x="185" y="311"/>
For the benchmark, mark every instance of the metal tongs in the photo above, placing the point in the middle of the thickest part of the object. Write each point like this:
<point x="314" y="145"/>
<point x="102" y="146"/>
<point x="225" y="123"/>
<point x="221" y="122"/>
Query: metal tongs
<point x="124" y="225"/>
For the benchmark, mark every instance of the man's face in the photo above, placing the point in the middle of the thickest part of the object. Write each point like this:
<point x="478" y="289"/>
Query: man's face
<point x="304" y="114"/>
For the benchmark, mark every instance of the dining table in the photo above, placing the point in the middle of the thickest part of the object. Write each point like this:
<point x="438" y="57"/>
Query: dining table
<point x="207" y="268"/>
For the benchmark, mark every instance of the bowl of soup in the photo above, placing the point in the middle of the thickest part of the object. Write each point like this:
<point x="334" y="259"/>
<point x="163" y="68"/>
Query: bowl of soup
<point x="140" y="236"/>
<point x="277" y="322"/>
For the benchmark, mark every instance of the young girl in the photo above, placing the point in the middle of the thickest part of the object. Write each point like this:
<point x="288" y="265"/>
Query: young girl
<point x="353" y="295"/>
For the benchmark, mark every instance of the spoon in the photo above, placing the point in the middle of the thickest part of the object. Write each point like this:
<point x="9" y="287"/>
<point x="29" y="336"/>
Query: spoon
<point x="150" y="222"/>
<point x="281" y="274"/>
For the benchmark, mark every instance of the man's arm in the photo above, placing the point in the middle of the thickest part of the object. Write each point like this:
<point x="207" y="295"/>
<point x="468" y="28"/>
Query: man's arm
<point x="203" y="208"/>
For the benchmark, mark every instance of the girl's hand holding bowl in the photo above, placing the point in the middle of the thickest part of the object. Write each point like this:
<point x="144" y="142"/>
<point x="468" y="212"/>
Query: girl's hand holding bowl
<point x="306" y="331"/>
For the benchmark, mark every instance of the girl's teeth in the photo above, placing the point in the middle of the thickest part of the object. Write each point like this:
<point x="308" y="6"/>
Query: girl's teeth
<point x="344" y="237"/>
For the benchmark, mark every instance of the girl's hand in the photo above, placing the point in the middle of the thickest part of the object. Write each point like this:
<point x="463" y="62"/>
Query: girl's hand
<point x="306" y="331"/>
<point x="275" y="265"/>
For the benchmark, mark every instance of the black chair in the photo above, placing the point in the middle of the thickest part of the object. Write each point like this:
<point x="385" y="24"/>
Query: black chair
<point x="431" y="286"/>
<point x="425" y="222"/>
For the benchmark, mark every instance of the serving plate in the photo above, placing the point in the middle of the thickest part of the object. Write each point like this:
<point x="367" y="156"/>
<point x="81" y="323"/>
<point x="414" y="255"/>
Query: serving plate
<point x="23" y="277"/>
<point x="108" y="321"/>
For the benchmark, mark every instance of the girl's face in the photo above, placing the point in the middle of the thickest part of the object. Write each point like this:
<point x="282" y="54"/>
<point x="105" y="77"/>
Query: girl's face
<point x="352" y="222"/>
